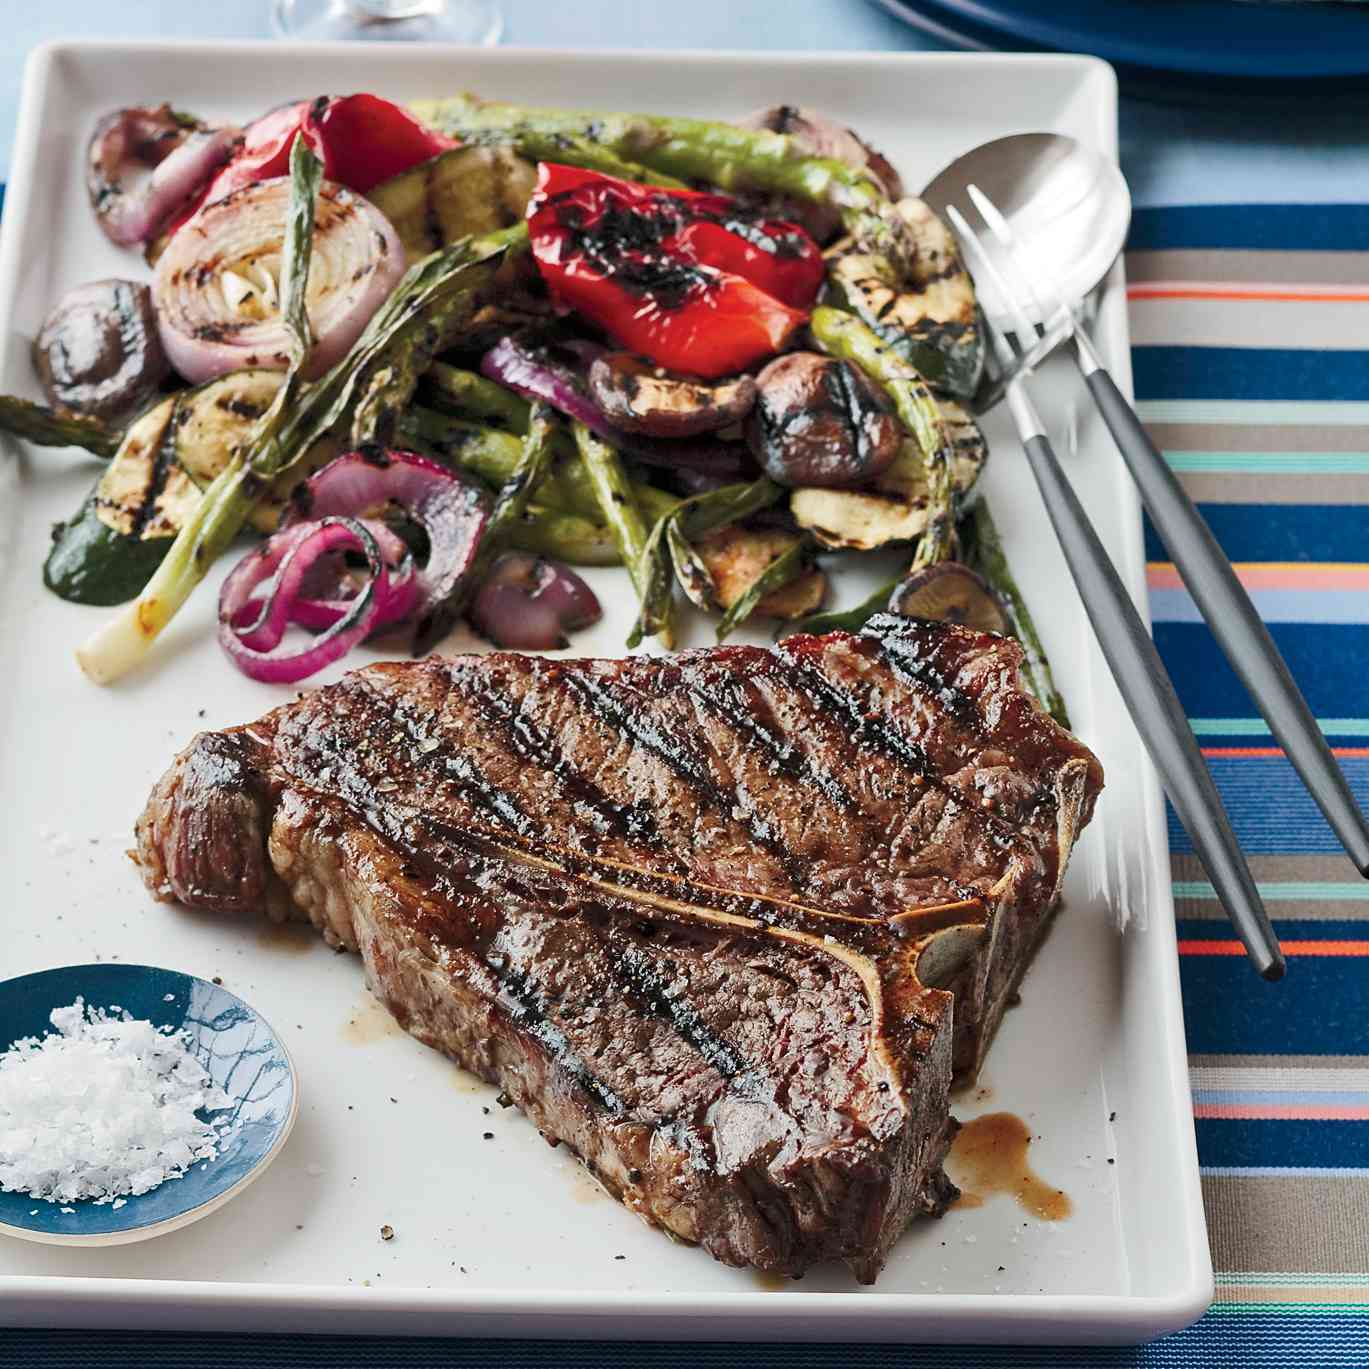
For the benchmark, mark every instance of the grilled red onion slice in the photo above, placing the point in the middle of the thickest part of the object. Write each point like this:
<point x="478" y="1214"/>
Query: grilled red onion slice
<point x="537" y="374"/>
<point x="529" y="603"/>
<point x="252" y="630"/>
<point x="144" y="164"/>
<point x="451" y="511"/>
<point x="216" y="286"/>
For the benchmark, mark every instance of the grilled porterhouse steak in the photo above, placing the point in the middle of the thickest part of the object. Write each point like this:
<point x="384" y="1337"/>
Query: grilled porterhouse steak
<point x="697" y="915"/>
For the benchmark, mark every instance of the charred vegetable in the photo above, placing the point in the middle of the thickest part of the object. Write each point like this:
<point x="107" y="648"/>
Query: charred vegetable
<point x="465" y="192"/>
<point x="492" y="455"/>
<point x="219" y="300"/>
<point x="894" y="509"/>
<point x="928" y="315"/>
<point x="144" y="166"/>
<point x="671" y="544"/>
<point x="46" y="427"/>
<point x="528" y="603"/>
<point x="442" y="610"/>
<point x="949" y="592"/>
<point x="821" y="422"/>
<point x="430" y="308"/>
<point x="638" y="397"/>
<point x="983" y="550"/>
<point x="556" y="376"/>
<point x="696" y="150"/>
<point x="739" y="560"/>
<point x="915" y="496"/>
<point x="107" y="552"/>
<point x="621" y="512"/>
<point x="819" y="136"/>
<point x="98" y="352"/>
<point x="695" y="285"/>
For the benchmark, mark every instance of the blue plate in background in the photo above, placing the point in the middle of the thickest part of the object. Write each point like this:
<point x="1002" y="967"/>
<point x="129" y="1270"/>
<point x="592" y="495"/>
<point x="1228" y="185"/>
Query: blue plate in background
<point x="238" y="1049"/>
<point x="1241" y="42"/>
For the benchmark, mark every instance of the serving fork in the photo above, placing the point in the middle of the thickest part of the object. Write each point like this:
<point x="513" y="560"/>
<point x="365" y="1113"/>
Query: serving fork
<point x="1142" y="680"/>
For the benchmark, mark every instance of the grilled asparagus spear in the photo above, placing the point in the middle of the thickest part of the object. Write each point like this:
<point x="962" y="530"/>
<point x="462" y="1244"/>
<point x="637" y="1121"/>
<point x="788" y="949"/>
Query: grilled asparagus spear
<point x="46" y="427"/>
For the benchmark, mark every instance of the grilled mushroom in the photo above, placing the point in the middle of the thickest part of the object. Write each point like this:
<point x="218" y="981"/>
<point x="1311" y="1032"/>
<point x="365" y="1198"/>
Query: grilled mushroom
<point x="821" y="422"/>
<point x="98" y="351"/>
<point x="642" y="398"/>
<point x="949" y="593"/>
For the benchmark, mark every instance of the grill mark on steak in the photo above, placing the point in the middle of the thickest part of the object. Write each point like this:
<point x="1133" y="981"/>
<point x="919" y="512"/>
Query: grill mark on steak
<point x="636" y="972"/>
<point x="641" y="726"/>
<point x="435" y="751"/>
<point x="919" y="669"/>
<point x="527" y="1009"/>
<point x="531" y="743"/>
<point x="866" y="729"/>
<point x="743" y="708"/>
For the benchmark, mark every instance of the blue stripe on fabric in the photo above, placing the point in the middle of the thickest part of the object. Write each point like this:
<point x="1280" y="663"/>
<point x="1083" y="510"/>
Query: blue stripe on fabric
<point x="1289" y="929"/>
<point x="1262" y="227"/>
<point x="1316" y="1009"/>
<point x="1299" y="1144"/>
<point x="1319" y="606"/>
<point x="1282" y="532"/>
<point x="1249" y="373"/>
<point x="1280" y="1098"/>
<point x="1270" y="811"/>
<point x="1231" y="1336"/>
<point x="1330" y="664"/>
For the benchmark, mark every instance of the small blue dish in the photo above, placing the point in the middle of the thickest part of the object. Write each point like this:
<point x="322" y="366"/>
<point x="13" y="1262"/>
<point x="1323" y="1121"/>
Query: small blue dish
<point x="236" y="1046"/>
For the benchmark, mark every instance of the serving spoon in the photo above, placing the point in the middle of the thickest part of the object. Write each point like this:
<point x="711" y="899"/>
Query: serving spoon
<point x="1058" y="213"/>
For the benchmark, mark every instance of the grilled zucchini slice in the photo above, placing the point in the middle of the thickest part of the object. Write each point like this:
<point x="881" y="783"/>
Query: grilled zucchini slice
<point x="894" y="508"/>
<point x="107" y="553"/>
<point x="735" y="555"/>
<point x="469" y="190"/>
<point x="933" y="322"/>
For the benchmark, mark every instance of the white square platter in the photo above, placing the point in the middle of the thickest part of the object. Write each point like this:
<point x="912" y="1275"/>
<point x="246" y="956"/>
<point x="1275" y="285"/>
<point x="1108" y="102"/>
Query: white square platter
<point x="504" y="1236"/>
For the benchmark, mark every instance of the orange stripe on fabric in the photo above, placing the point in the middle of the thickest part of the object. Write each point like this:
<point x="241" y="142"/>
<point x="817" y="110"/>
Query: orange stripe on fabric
<point x="1328" y="948"/>
<point x="1276" y="752"/>
<point x="1283" y="1112"/>
<point x="1329" y="295"/>
<point x="1275" y="575"/>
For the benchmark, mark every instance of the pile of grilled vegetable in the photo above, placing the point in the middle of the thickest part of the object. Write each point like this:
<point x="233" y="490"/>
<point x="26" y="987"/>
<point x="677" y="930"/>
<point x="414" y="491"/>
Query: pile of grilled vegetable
<point x="433" y="355"/>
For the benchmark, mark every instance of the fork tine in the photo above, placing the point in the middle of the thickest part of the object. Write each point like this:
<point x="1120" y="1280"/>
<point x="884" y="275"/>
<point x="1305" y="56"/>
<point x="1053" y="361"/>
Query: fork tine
<point x="1021" y="322"/>
<point x="1007" y="239"/>
<point x="974" y="249"/>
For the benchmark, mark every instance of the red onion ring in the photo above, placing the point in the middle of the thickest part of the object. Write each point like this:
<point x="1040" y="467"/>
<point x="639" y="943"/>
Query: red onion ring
<point x="142" y="165"/>
<point x="252" y="630"/>
<point x="206" y="329"/>
<point x="451" y="510"/>
<point x="536" y="375"/>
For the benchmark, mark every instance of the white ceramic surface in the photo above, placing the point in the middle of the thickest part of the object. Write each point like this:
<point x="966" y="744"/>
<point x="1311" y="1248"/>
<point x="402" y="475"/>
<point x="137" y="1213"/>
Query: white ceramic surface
<point x="504" y="1236"/>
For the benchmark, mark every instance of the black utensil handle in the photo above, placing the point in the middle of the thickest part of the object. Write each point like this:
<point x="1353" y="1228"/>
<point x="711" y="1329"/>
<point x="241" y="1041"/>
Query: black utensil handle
<point x="1149" y="695"/>
<point x="1234" y="621"/>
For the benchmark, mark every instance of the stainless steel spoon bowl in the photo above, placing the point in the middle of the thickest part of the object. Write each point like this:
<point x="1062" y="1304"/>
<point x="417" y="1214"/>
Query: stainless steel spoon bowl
<point x="1069" y="208"/>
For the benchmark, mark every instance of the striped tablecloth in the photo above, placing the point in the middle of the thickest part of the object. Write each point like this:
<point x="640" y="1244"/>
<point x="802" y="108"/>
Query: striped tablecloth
<point x="1274" y="443"/>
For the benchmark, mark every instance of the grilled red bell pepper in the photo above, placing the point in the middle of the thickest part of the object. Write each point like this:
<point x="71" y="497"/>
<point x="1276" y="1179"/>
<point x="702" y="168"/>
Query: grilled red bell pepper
<point x="361" y="140"/>
<point x="686" y="278"/>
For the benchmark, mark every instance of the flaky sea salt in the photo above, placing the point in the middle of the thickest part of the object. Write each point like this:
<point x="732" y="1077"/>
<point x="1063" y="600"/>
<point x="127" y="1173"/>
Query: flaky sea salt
<point x="103" y="1107"/>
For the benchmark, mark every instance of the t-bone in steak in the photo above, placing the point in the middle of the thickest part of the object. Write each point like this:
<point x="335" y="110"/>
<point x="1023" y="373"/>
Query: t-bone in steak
<point x="702" y="917"/>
